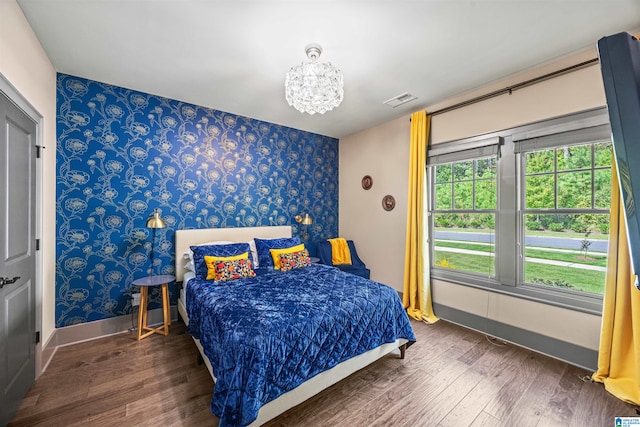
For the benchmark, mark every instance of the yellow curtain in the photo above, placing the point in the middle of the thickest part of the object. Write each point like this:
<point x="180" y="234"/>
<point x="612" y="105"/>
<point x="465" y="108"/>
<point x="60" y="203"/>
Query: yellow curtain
<point x="416" y="295"/>
<point x="619" y="354"/>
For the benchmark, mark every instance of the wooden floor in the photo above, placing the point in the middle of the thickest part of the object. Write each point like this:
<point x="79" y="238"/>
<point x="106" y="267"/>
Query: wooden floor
<point x="450" y="377"/>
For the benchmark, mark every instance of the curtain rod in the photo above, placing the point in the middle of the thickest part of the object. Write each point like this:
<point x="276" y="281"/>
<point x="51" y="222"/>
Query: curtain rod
<point x="521" y="85"/>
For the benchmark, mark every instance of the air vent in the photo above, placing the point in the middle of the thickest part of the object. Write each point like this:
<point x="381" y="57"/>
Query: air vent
<point x="399" y="100"/>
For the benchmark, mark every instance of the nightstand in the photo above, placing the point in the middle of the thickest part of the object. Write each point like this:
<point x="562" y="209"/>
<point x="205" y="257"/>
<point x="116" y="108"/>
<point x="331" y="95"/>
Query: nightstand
<point x="144" y="283"/>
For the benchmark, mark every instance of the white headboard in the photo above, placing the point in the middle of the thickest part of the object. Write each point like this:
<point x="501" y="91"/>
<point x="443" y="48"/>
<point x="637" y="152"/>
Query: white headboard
<point x="186" y="238"/>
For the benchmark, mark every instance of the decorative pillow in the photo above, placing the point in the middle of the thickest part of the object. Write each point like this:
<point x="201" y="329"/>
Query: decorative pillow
<point x="211" y="262"/>
<point x="232" y="270"/>
<point x="217" y="251"/>
<point x="189" y="253"/>
<point x="265" y="245"/>
<point x="275" y="254"/>
<point x="291" y="260"/>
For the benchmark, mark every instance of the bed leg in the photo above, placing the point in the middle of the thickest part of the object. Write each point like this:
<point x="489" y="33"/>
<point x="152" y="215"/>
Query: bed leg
<point x="403" y="348"/>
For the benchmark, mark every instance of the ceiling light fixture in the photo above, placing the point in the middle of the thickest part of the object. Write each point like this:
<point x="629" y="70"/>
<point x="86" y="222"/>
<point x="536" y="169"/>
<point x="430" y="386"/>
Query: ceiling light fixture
<point x="314" y="87"/>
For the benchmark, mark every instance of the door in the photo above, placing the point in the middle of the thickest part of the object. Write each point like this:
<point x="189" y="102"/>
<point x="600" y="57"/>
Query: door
<point x="17" y="256"/>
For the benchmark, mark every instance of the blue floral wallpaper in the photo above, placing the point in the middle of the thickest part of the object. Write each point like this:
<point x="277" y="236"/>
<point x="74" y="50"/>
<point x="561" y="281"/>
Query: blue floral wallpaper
<point x="122" y="153"/>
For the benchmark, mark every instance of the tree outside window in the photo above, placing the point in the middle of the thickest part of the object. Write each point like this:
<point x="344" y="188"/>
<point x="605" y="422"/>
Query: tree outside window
<point x="566" y="216"/>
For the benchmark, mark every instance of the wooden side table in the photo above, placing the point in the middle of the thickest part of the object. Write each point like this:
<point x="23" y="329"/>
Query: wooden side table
<point x="144" y="283"/>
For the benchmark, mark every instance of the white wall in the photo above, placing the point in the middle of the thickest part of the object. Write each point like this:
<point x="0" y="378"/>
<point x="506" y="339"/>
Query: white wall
<point x="26" y="66"/>
<point x="382" y="152"/>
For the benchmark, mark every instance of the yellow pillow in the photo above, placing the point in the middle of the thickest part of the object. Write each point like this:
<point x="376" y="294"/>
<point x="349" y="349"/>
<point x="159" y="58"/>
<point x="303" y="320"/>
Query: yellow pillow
<point x="275" y="254"/>
<point x="212" y="260"/>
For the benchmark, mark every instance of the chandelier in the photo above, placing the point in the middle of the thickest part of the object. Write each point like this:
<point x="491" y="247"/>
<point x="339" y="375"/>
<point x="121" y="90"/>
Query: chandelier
<point x="314" y="87"/>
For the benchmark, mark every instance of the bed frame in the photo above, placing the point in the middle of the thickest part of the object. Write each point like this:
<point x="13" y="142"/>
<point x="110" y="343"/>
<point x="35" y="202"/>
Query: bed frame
<point x="186" y="238"/>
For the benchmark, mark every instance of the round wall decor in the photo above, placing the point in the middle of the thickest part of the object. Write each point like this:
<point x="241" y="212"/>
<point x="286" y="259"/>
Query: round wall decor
<point x="367" y="182"/>
<point x="388" y="202"/>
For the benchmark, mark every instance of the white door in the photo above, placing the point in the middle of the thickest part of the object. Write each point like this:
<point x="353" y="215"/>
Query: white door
<point x="17" y="256"/>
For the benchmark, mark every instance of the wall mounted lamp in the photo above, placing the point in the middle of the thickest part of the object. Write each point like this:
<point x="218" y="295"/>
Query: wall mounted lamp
<point x="305" y="220"/>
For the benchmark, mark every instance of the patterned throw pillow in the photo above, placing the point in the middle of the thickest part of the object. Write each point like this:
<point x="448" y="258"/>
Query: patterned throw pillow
<point x="232" y="270"/>
<point x="294" y="260"/>
<point x="263" y="246"/>
<point x="200" y="251"/>
<point x="212" y="261"/>
<point x="275" y="254"/>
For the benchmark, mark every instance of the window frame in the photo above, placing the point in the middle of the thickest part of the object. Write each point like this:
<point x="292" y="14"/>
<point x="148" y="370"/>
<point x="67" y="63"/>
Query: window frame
<point x="573" y="129"/>
<point x="470" y="150"/>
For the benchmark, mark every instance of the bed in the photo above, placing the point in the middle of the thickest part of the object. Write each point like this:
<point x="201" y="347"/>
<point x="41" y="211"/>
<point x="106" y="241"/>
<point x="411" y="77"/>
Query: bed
<point x="272" y="341"/>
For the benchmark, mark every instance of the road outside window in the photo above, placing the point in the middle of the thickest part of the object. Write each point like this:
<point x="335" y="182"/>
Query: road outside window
<point x="464" y="216"/>
<point x="567" y="194"/>
<point x="525" y="210"/>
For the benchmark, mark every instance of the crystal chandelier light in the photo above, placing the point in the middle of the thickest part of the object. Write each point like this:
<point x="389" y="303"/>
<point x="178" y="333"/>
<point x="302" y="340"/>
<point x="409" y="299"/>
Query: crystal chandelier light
<point x="314" y="87"/>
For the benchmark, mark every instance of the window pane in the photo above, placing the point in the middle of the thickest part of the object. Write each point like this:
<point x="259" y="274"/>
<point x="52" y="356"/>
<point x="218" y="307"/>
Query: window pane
<point x="603" y="153"/>
<point x="539" y="161"/>
<point x="443" y="196"/>
<point x="574" y="190"/>
<point x="463" y="171"/>
<point x="540" y="192"/>
<point x="486" y="168"/>
<point x="463" y="195"/>
<point x="575" y="157"/>
<point x="486" y="194"/>
<point x="602" y="191"/>
<point x="443" y="173"/>
<point x="567" y="251"/>
<point x="464" y="242"/>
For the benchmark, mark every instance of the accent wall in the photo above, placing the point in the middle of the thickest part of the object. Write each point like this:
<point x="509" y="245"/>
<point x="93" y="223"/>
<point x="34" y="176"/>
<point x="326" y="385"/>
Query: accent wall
<point x="121" y="154"/>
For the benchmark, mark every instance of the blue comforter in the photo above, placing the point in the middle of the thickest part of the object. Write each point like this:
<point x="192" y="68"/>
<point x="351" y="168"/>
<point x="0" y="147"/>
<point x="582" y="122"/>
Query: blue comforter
<point x="268" y="334"/>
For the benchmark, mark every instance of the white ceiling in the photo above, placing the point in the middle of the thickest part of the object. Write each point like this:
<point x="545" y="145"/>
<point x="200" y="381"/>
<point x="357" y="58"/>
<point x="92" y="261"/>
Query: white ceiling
<point x="233" y="55"/>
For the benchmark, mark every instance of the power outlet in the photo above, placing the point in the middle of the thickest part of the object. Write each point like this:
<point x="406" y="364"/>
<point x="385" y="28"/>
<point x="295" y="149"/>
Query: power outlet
<point x="135" y="299"/>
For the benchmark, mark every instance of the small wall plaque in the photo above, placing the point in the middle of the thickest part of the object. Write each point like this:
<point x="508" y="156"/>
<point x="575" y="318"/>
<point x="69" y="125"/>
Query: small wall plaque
<point x="388" y="202"/>
<point x="367" y="182"/>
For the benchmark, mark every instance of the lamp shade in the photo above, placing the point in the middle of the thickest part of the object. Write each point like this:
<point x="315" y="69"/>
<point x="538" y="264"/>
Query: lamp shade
<point x="306" y="219"/>
<point x="155" y="221"/>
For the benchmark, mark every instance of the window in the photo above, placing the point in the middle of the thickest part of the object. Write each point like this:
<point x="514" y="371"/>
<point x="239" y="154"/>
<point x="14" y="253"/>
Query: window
<point x="565" y="212"/>
<point x="526" y="210"/>
<point x="464" y="207"/>
<point x="464" y="215"/>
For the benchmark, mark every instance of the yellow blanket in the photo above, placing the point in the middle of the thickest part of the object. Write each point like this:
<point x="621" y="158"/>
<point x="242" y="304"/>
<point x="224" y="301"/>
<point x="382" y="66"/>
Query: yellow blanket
<point x="340" y="253"/>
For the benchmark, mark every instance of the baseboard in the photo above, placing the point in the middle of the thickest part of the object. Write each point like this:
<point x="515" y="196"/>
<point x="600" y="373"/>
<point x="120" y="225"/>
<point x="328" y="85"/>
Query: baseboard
<point x="582" y="357"/>
<point x="103" y="328"/>
<point x="88" y="331"/>
<point x="48" y="350"/>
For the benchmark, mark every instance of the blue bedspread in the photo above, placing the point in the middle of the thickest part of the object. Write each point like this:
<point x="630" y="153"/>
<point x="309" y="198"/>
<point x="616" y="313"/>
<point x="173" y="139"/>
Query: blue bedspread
<point x="268" y="334"/>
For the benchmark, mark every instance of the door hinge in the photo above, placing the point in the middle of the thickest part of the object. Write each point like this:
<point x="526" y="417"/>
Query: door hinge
<point x="37" y="244"/>
<point x="37" y="337"/>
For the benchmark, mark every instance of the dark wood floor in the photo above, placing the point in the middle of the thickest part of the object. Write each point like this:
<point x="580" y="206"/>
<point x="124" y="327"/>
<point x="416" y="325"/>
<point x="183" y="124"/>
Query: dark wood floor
<point x="450" y="377"/>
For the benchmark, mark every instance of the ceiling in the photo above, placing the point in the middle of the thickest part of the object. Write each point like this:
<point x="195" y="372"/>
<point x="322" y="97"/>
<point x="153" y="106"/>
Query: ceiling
<point x="233" y="55"/>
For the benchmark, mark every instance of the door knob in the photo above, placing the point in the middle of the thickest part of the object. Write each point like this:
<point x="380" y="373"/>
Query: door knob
<point x="7" y="281"/>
